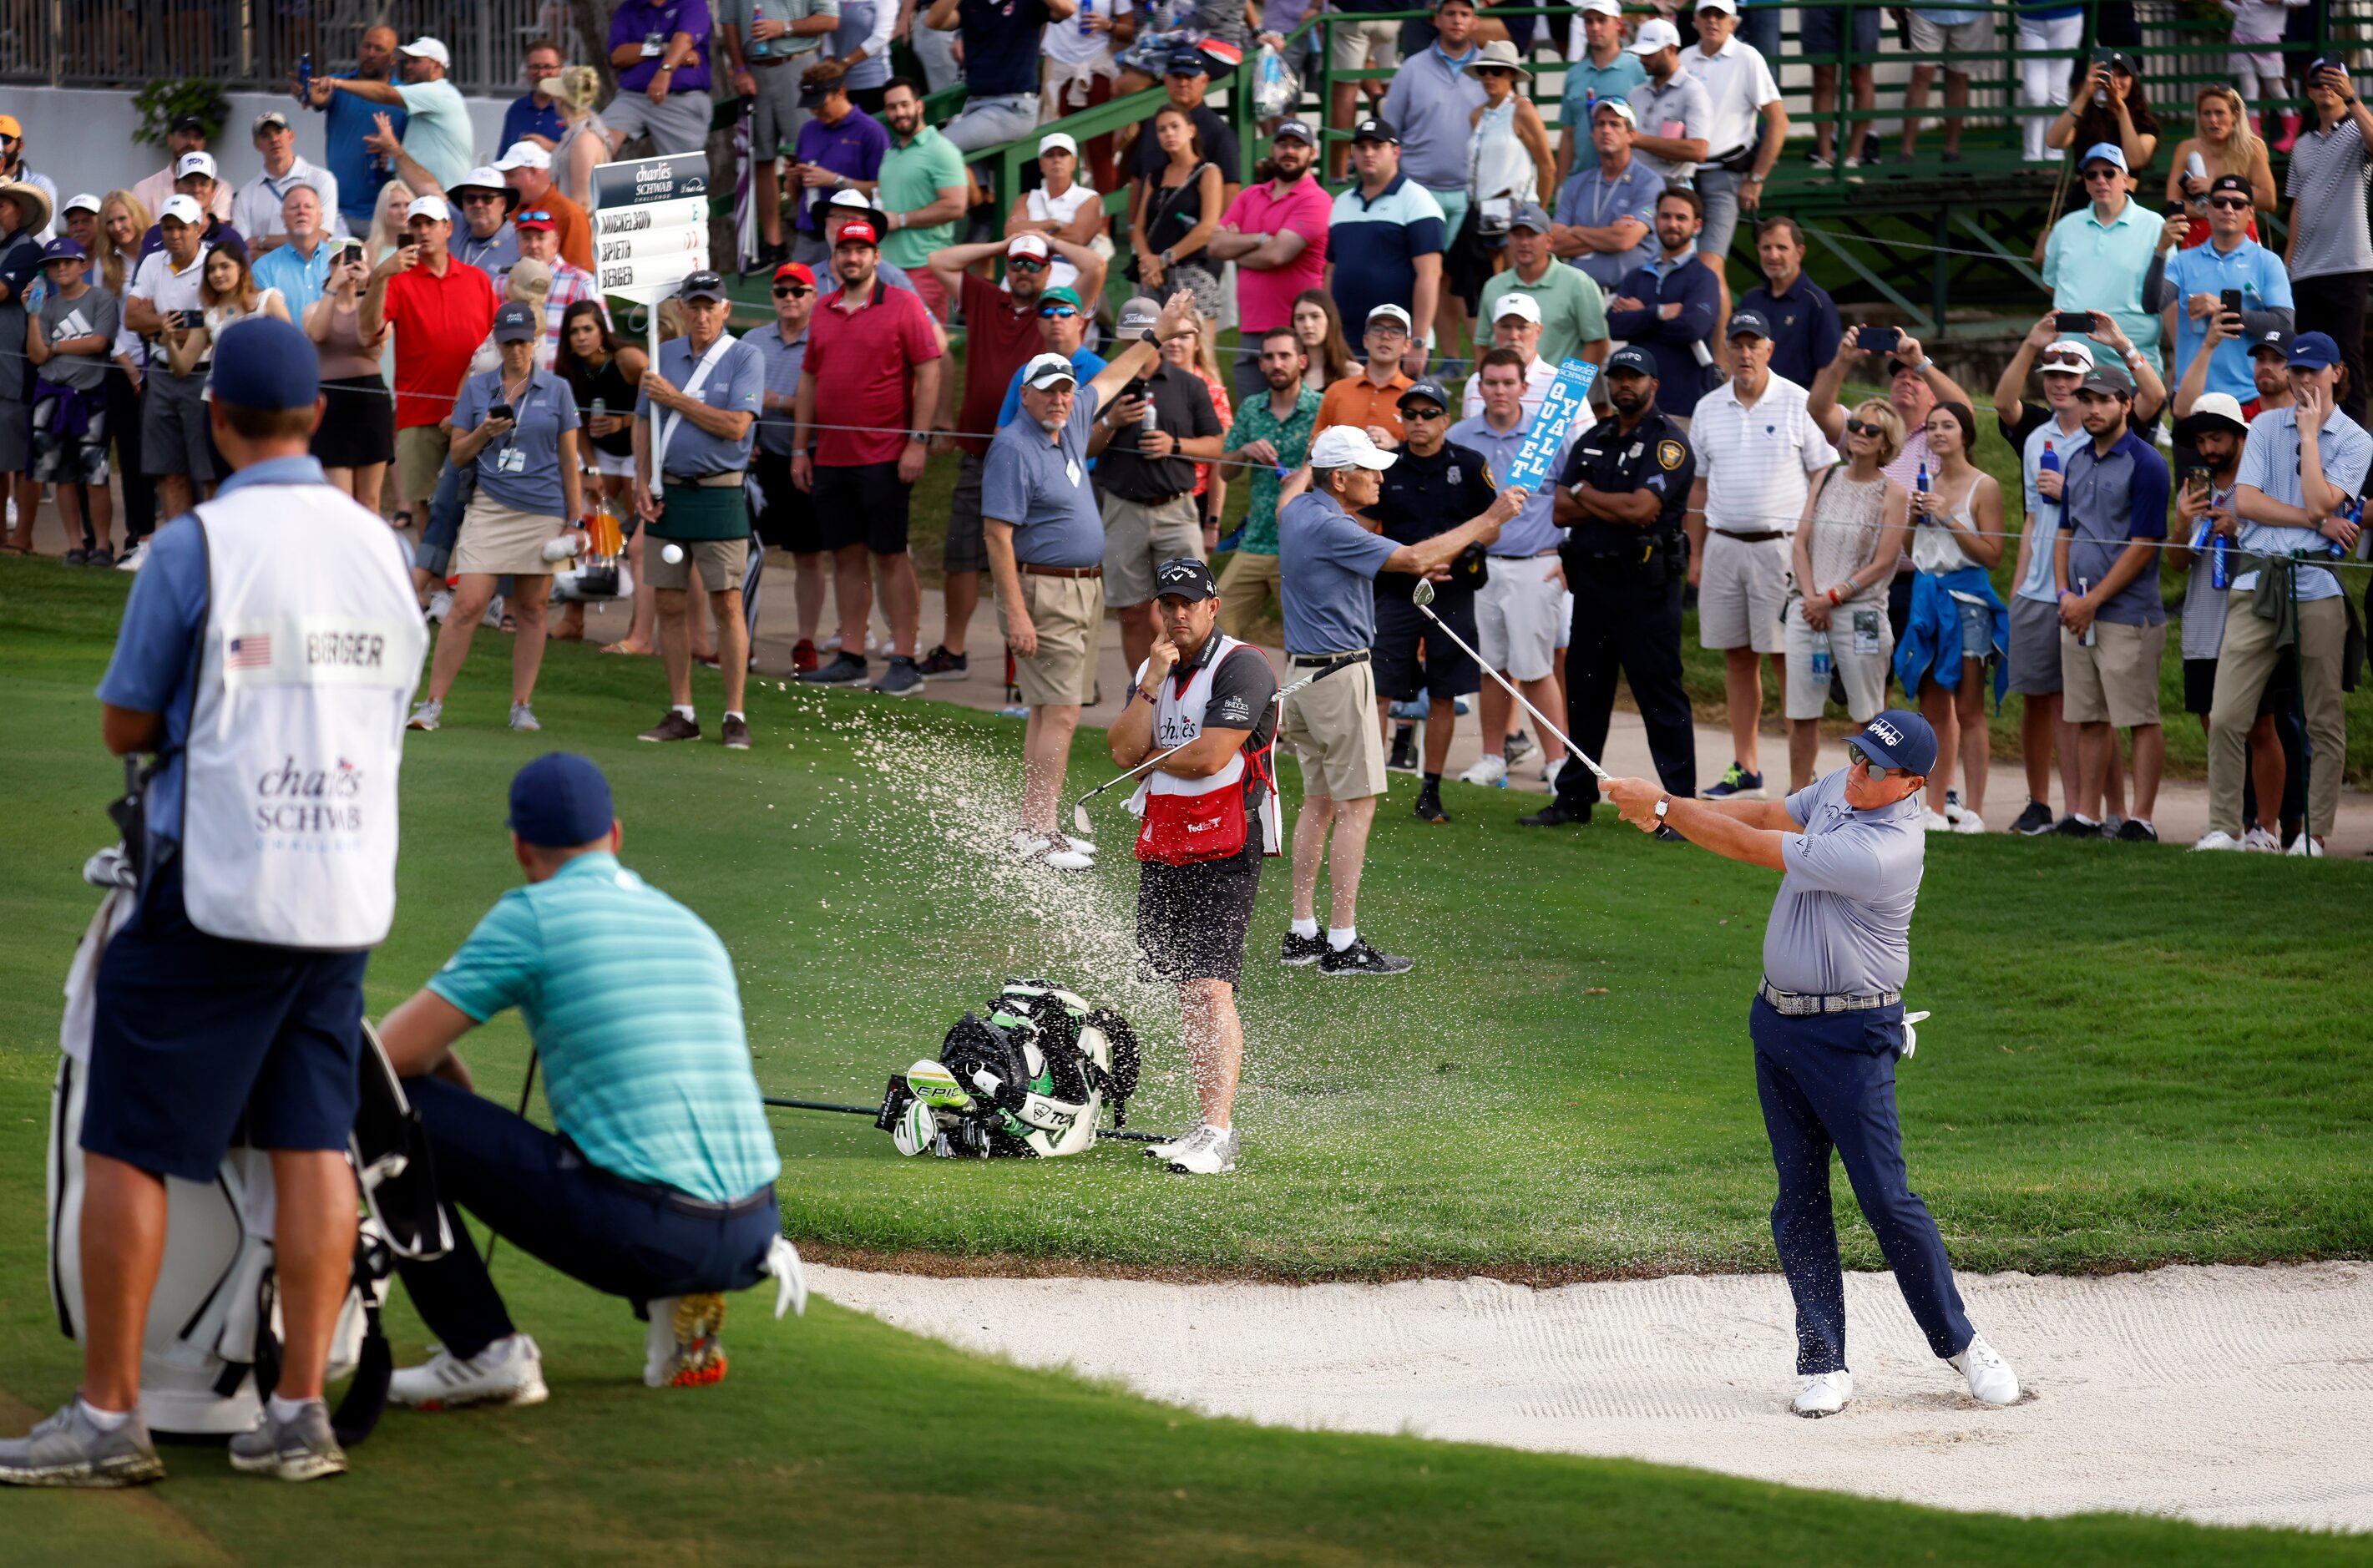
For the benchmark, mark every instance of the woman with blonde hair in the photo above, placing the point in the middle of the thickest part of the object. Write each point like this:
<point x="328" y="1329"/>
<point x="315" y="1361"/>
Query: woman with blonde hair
<point x="121" y="221"/>
<point x="2225" y="144"/>
<point x="1318" y="327"/>
<point x="387" y="220"/>
<point x="584" y="144"/>
<point x="115" y="255"/>
<point x="1844" y="558"/>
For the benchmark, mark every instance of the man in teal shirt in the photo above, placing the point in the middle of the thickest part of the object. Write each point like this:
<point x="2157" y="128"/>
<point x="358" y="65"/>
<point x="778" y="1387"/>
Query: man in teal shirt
<point x="1272" y="434"/>
<point x="660" y="1184"/>
<point x="921" y="192"/>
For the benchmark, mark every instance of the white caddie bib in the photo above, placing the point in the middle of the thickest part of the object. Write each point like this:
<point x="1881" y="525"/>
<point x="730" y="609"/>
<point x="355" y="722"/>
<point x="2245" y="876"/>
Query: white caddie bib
<point x="313" y="643"/>
<point x="1178" y="718"/>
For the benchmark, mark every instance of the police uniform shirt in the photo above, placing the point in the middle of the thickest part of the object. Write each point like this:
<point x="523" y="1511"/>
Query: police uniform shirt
<point x="1841" y="920"/>
<point x="1655" y="457"/>
<point x="1426" y="495"/>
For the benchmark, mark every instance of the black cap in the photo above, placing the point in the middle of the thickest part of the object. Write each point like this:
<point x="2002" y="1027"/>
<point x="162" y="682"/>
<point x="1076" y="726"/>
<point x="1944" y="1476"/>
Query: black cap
<point x="2107" y="379"/>
<point x="2116" y="59"/>
<point x="1748" y="324"/>
<point x="1376" y="128"/>
<point x="703" y="285"/>
<point x="1427" y="391"/>
<point x="1630" y="359"/>
<point x="2224" y="182"/>
<point x="187" y="122"/>
<point x="2275" y="341"/>
<point x="1184" y="577"/>
<point x="560" y="800"/>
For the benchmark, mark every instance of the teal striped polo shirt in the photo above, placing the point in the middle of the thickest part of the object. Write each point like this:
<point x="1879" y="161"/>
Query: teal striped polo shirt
<point x="631" y="1000"/>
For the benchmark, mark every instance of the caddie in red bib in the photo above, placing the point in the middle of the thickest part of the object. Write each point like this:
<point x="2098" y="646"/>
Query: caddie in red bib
<point x="1204" y="717"/>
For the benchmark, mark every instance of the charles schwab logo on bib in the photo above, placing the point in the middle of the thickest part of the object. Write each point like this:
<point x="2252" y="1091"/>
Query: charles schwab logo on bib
<point x="318" y="803"/>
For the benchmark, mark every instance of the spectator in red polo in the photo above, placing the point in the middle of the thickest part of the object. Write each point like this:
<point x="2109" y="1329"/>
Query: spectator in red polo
<point x="1000" y="336"/>
<point x="441" y="309"/>
<point x="873" y="369"/>
<point x="1275" y="233"/>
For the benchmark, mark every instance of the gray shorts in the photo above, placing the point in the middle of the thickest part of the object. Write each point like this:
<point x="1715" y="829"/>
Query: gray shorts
<point x="1138" y="538"/>
<point x="173" y="427"/>
<point x="992" y="122"/>
<point x="776" y="115"/>
<point x="2034" y="647"/>
<point x="680" y="124"/>
<point x="1718" y="188"/>
<point x="16" y="437"/>
<point x="967" y="546"/>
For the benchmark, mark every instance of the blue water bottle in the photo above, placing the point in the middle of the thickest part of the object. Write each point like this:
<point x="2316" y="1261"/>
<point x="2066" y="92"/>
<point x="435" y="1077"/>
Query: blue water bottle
<point x="305" y="79"/>
<point x="1087" y="14"/>
<point x="2220" y="562"/>
<point x="2354" y="512"/>
<point x="1821" y="660"/>
<point x="1923" y="487"/>
<point x="2049" y="463"/>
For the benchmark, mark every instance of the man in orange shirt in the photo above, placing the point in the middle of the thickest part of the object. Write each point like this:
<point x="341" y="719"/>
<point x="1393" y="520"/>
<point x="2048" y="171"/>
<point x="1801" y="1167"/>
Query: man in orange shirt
<point x="527" y="168"/>
<point x="1364" y="401"/>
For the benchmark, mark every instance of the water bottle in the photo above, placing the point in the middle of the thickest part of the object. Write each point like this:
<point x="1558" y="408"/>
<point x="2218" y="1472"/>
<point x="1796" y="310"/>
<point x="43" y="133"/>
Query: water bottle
<point x="2354" y="512"/>
<point x="1821" y="660"/>
<point x="2220" y="562"/>
<point x="1922" y="488"/>
<point x="2048" y="463"/>
<point x="305" y="79"/>
<point x="1087" y="14"/>
<point x="600" y="408"/>
<point x="2196" y="168"/>
<point x="757" y="48"/>
<point x="1151" y="417"/>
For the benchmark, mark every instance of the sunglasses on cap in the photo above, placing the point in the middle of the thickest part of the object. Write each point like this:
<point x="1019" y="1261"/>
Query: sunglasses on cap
<point x="1025" y="263"/>
<point x="1058" y="312"/>
<point x="2063" y="360"/>
<point x="538" y="216"/>
<point x="793" y="291"/>
<point x="1860" y="427"/>
<point x="1857" y="758"/>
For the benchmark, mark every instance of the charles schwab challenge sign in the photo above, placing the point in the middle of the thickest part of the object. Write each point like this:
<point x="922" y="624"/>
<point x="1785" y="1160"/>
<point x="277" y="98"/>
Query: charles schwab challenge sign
<point x="651" y="216"/>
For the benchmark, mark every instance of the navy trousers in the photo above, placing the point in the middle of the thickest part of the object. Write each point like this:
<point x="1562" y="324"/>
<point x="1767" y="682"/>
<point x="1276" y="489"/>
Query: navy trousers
<point x="536" y="1188"/>
<point x="1828" y="1082"/>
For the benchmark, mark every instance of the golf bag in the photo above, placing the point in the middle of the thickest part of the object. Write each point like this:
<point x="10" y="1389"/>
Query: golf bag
<point x="1028" y="1080"/>
<point x="212" y="1345"/>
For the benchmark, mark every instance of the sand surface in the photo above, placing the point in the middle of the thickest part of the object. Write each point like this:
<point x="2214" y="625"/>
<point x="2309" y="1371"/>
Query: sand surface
<point x="2225" y="1394"/>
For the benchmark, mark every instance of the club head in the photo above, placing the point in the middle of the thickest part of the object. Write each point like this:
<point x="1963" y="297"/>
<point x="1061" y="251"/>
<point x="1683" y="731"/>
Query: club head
<point x="1080" y="818"/>
<point x="1422" y="594"/>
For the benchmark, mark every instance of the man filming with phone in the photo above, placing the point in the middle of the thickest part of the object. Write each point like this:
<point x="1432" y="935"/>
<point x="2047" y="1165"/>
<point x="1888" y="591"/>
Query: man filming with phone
<point x="2329" y="256"/>
<point x="2231" y="277"/>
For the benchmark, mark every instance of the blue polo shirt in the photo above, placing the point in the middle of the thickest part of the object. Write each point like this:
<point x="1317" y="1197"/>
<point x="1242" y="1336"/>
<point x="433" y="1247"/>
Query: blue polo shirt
<point x="524" y="119"/>
<point x="1042" y="489"/>
<point x="521" y="470"/>
<point x="1804" y="327"/>
<point x="734" y="386"/>
<point x="1680" y="380"/>
<point x="2109" y="499"/>
<point x="1587" y="83"/>
<point x="2248" y="266"/>
<point x="1590" y="200"/>
<point x="1374" y="246"/>
<point x="2270" y="462"/>
<point x="348" y="120"/>
<point x="1326" y="567"/>
<point x="633" y="1006"/>
<point x="2092" y="265"/>
<point x="300" y="282"/>
<point x="1532" y="531"/>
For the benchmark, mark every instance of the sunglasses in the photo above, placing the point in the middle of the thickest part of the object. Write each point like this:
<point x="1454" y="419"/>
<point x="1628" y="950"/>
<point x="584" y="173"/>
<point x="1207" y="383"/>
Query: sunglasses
<point x="1857" y="758"/>
<point x="534" y="218"/>
<point x="1857" y="428"/>
<point x="1423" y="414"/>
<point x="1495" y="71"/>
<point x="1025" y="263"/>
<point x="2068" y="362"/>
<point x="1057" y="312"/>
<point x="2230" y="203"/>
<point x="793" y="291"/>
<point x="2104" y="171"/>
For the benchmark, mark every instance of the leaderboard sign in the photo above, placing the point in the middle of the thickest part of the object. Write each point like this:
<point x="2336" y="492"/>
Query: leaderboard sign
<point x="650" y="225"/>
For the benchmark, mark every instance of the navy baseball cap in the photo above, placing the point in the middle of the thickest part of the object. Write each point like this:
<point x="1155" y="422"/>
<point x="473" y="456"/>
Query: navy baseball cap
<point x="1628" y="358"/>
<point x="516" y="321"/>
<point x="265" y="363"/>
<point x="1898" y="739"/>
<point x="2274" y="341"/>
<point x="1187" y="62"/>
<point x="1184" y="577"/>
<point x="1749" y="324"/>
<point x="1426" y="390"/>
<point x="560" y="800"/>
<point x="2314" y="351"/>
<point x="1376" y="128"/>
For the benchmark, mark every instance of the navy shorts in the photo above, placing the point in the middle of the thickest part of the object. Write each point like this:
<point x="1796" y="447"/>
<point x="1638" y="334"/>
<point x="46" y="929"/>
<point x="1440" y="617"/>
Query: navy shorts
<point x="192" y="1032"/>
<point x="1402" y="631"/>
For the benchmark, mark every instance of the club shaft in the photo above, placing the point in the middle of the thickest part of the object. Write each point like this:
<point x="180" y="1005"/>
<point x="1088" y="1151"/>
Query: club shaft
<point x="1587" y="761"/>
<point x="1111" y="1132"/>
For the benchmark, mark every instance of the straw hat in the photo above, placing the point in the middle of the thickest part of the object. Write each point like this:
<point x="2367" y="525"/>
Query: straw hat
<point x="33" y="205"/>
<point x="1499" y="52"/>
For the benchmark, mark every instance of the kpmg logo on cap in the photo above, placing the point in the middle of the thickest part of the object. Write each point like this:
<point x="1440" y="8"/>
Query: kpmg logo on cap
<point x="1884" y="733"/>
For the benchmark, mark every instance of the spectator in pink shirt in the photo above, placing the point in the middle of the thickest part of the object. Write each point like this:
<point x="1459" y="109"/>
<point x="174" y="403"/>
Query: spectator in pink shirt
<point x="1275" y="233"/>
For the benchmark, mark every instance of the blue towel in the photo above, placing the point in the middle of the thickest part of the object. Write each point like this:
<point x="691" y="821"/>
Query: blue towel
<point x="1930" y="643"/>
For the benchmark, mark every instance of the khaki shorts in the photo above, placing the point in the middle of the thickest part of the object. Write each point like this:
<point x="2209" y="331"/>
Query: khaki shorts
<point x="1960" y="38"/>
<point x="1069" y="612"/>
<point x="1740" y="593"/>
<point x="1248" y="589"/>
<point x="1366" y="43"/>
<point x="721" y="562"/>
<point x="2117" y="680"/>
<point x="1139" y="538"/>
<point x="1519" y="611"/>
<point x="496" y="540"/>
<point x="419" y="459"/>
<point x="1332" y="727"/>
<point x="1863" y="674"/>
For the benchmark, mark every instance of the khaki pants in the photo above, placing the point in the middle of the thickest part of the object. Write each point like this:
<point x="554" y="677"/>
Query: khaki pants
<point x="2243" y="666"/>
<point x="1247" y="588"/>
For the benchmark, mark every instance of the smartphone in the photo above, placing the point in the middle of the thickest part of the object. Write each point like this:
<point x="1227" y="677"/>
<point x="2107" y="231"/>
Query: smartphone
<point x="2232" y="301"/>
<point x="2077" y="321"/>
<point x="1134" y="388"/>
<point x="499" y="411"/>
<point x="186" y="320"/>
<point x="1878" y="340"/>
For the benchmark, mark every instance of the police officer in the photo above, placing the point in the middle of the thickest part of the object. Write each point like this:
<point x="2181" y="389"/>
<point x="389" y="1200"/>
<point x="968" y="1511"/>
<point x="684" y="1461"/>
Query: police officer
<point x="266" y="651"/>
<point x="1622" y="496"/>
<point x="1436" y="486"/>
<point x="1827" y="1024"/>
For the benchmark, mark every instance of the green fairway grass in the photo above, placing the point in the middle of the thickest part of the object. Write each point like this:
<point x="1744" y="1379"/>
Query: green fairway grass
<point x="2136" y="1057"/>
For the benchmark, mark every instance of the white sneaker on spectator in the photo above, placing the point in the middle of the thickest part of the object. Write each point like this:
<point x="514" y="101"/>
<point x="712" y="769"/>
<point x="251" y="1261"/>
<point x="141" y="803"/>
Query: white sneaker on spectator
<point x="2259" y="841"/>
<point x="2217" y="838"/>
<point x="1936" y="822"/>
<point x="441" y="605"/>
<point x="1824" y="1393"/>
<point x="494" y="616"/>
<point x="1489" y="770"/>
<point x="1990" y="1379"/>
<point x="2306" y="844"/>
<point x="1969" y="822"/>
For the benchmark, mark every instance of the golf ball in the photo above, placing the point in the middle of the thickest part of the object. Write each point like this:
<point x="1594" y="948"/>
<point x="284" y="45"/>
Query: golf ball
<point x="672" y="554"/>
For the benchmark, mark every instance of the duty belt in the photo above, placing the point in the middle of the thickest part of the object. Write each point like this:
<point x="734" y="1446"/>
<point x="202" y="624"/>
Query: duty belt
<point x="1807" y="1004"/>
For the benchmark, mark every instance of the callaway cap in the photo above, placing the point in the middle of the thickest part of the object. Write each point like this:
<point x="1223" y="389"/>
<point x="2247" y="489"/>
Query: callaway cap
<point x="560" y="800"/>
<point x="1519" y="304"/>
<point x="430" y="207"/>
<point x="2313" y="351"/>
<point x="1047" y="371"/>
<point x="2274" y="341"/>
<point x="184" y="209"/>
<point x="1376" y="129"/>
<point x="1633" y="359"/>
<point x="2104" y="152"/>
<point x="1295" y="131"/>
<point x="1748" y="324"/>
<point x="428" y="49"/>
<point x="1427" y="390"/>
<point x="1347" y="446"/>
<point x="1655" y="36"/>
<point x="516" y="321"/>
<point x="1394" y="311"/>
<point x="1528" y="215"/>
<point x="1184" y="577"/>
<point x="702" y="285"/>
<point x="62" y="249"/>
<point x="1898" y="739"/>
<point x="2210" y="411"/>
<point x="264" y="363"/>
<point x="195" y="163"/>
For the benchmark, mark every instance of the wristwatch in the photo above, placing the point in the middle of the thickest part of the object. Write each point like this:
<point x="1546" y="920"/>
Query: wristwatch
<point x="1663" y="803"/>
<point x="1148" y="335"/>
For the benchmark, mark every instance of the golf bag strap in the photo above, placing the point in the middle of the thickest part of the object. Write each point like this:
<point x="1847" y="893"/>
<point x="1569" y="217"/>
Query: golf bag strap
<point x="265" y="1365"/>
<point x="366" y="1399"/>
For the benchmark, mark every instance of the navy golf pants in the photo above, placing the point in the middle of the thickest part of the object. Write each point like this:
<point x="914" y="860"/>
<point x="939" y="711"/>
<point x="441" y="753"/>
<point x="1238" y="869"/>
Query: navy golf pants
<point x="536" y="1188"/>
<point x="1828" y="1082"/>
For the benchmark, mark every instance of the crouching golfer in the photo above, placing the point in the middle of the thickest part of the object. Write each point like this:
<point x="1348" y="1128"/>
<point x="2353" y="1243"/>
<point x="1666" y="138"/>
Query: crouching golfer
<point x="1211" y="814"/>
<point x="1827" y="1024"/>
<point x="660" y="1185"/>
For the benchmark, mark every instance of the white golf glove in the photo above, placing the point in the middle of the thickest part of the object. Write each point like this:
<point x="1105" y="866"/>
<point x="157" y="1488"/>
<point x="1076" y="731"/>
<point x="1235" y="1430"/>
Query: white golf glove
<point x="1911" y="1034"/>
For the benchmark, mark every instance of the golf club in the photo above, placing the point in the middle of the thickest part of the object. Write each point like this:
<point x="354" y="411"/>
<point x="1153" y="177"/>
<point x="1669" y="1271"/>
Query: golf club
<point x="1119" y="1134"/>
<point x="1080" y="807"/>
<point x="1424" y="598"/>
<point x="527" y="1091"/>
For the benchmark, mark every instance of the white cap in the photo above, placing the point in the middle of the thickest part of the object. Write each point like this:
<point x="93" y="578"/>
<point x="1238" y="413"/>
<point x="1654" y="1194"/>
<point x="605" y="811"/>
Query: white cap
<point x="1395" y="311"/>
<point x="1604" y="8"/>
<point x="1616" y="106"/>
<point x="1047" y="369"/>
<point x="2221" y="406"/>
<point x="1058" y="141"/>
<point x="485" y="176"/>
<point x="1347" y="446"/>
<point x="2074" y="347"/>
<point x="1729" y="5"/>
<point x="1656" y="34"/>
<point x="524" y="155"/>
<point x="429" y="207"/>
<point x="81" y="201"/>
<point x="195" y="163"/>
<point x="1027" y="245"/>
<point x="428" y="49"/>
<point x="1515" y="302"/>
<point x="183" y="208"/>
<point x="856" y="199"/>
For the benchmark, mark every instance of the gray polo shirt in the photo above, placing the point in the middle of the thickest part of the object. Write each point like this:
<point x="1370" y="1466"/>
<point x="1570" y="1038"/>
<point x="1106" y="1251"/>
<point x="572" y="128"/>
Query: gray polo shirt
<point x="784" y="361"/>
<point x="2270" y="462"/>
<point x="2109" y="501"/>
<point x="1042" y="489"/>
<point x="1428" y="103"/>
<point x="733" y="386"/>
<point x="2327" y="182"/>
<point x="1327" y="566"/>
<point x="1683" y="99"/>
<point x="1841" y="922"/>
<point x="1590" y="200"/>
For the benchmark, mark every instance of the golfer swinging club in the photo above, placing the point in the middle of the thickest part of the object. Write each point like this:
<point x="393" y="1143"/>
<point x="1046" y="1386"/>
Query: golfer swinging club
<point x="1827" y="1024"/>
<point x="1211" y="814"/>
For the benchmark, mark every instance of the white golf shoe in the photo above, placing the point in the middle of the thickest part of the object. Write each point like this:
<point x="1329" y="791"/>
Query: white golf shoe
<point x="2217" y="838"/>
<point x="1936" y="822"/>
<point x="2259" y="842"/>
<point x="1208" y="1151"/>
<point x="1990" y="1379"/>
<point x="1057" y="852"/>
<point x="1969" y="822"/>
<point x="509" y="1372"/>
<point x="1824" y="1393"/>
<point x="1489" y="771"/>
<point x="2307" y="846"/>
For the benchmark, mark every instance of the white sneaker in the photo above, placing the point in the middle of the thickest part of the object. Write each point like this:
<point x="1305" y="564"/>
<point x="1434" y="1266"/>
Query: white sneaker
<point x="2259" y="841"/>
<point x="1969" y="822"/>
<point x="494" y="616"/>
<point x="1823" y="1394"/>
<point x="680" y="1348"/>
<point x="2306" y="844"/>
<point x="1489" y="770"/>
<point x="2217" y="838"/>
<point x="1549" y="774"/>
<point x="1936" y="822"/>
<point x="509" y="1372"/>
<point x="1079" y="846"/>
<point x="1051" y="852"/>
<point x="441" y="605"/>
<point x="1208" y="1151"/>
<point x="1990" y="1379"/>
<point x="133" y="558"/>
